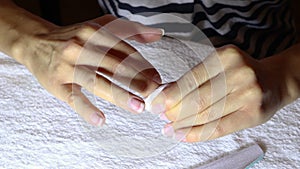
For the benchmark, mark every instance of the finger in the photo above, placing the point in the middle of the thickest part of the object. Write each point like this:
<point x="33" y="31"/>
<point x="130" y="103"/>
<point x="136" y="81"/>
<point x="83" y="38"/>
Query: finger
<point x="223" y="107"/>
<point x="134" y="60"/>
<point x="211" y="92"/>
<point x="175" y="92"/>
<point x="90" y="33"/>
<point x="103" y="88"/>
<point x="122" y="72"/>
<point x="247" y="96"/>
<point x="92" y="36"/>
<point x="125" y="52"/>
<point x="125" y="29"/>
<point x="226" y="125"/>
<point x="198" y="100"/>
<point x="223" y="59"/>
<point x="73" y="96"/>
<point x="114" y="67"/>
<point x="108" y="51"/>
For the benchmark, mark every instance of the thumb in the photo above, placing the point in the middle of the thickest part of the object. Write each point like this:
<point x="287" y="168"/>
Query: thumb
<point x="125" y="29"/>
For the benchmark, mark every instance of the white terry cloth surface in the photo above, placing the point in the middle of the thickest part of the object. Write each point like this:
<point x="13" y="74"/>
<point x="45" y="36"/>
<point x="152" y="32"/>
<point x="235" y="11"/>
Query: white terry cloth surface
<point x="37" y="130"/>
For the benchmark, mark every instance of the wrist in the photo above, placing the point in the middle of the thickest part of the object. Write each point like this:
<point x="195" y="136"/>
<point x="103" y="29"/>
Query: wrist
<point x="291" y="59"/>
<point x="284" y="68"/>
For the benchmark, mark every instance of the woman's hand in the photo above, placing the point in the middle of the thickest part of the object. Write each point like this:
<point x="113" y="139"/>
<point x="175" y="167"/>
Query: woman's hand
<point x="227" y="92"/>
<point x="65" y="59"/>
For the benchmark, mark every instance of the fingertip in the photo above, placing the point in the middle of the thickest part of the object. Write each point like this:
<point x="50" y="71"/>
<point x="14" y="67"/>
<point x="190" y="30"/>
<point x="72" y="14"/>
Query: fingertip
<point x="97" y="119"/>
<point x="147" y="37"/>
<point x="168" y="131"/>
<point x="136" y="104"/>
<point x="163" y="117"/>
<point x="151" y="35"/>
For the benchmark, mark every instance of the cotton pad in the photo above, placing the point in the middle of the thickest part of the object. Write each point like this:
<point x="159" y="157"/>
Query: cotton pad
<point x="148" y="100"/>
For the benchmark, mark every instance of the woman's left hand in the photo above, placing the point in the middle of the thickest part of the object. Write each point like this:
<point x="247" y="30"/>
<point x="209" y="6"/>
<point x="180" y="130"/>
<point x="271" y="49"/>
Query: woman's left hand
<point x="227" y="92"/>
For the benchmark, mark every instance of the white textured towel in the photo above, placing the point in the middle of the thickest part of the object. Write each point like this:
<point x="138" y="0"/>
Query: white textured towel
<point x="37" y="130"/>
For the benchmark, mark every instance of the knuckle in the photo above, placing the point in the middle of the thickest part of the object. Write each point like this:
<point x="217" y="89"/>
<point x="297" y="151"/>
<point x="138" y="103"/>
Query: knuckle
<point x="193" y="137"/>
<point x="219" y="130"/>
<point x="70" y="48"/>
<point x="170" y="101"/>
<point x="70" y="99"/>
<point x="90" y="82"/>
<point x="109" y="15"/>
<point x="166" y="94"/>
<point x="58" y="72"/>
<point x="55" y="80"/>
<point x="228" y="49"/>
<point x="198" y="75"/>
<point x="229" y="53"/>
<point x="206" y="116"/>
<point x="253" y="92"/>
<point x="244" y="74"/>
<point x="87" y="29"/>
<point x="256" y="90"/>
<point x="200" y="103"/>
<point x="172" y="116"/>
<point x="231" y="48"/>
<point x="248" y="71"/>
<point x="117" y="67"/>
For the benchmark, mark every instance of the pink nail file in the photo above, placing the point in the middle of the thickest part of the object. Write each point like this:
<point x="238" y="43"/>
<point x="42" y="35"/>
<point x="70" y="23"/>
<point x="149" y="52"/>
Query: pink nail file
<point x="241" y="159"/>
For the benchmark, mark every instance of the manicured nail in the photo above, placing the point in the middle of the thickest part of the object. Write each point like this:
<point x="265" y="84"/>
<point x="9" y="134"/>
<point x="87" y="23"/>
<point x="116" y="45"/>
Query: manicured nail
<point x="158" y="108"/>
<point x="168" y="131"/>
<point x="96" y="119"/>
<point x="163" y="116"/>
<point x="136" y="105"/>
<point x="180" y="136"/>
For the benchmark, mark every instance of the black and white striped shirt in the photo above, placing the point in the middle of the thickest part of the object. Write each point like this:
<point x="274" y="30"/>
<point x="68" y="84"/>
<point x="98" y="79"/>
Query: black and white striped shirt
<point x="259" y="27"/>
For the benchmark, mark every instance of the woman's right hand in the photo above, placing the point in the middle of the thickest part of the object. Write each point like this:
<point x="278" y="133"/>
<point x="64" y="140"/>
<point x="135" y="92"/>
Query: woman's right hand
<point x="65" y="60"/>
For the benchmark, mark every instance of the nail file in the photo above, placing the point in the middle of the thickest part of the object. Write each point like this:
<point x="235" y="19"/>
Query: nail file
<point x="148" y="100"/>
<point x="242" y="159"/>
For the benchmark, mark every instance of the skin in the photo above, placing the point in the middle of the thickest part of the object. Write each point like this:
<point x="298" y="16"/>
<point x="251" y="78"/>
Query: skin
<point x="65" y="59"/>
<point x="227" y="92"/>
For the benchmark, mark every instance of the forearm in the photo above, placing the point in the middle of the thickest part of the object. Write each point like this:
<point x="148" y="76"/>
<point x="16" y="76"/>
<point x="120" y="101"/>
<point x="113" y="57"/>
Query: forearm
<point x="292" y="66"/>
<point x="16" y="25"/>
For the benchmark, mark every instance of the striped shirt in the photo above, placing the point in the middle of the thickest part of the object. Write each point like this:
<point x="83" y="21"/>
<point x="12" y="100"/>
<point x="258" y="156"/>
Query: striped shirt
<point x="259" y="27"/>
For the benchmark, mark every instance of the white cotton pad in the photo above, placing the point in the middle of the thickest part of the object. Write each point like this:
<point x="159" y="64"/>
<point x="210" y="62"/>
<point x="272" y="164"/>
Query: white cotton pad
<point x="148" y="100"/>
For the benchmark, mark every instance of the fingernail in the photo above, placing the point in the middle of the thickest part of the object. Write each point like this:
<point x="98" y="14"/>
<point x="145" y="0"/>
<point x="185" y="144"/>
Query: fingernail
<point x="136" y="105"/>
<point x="96" y="119"/>
<point x="158" y="108"/>
<point x="168" y="131"/>
<point x="162" y="32"/>
<point x="180" y="136"/>
<point x="163" y="116"/>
